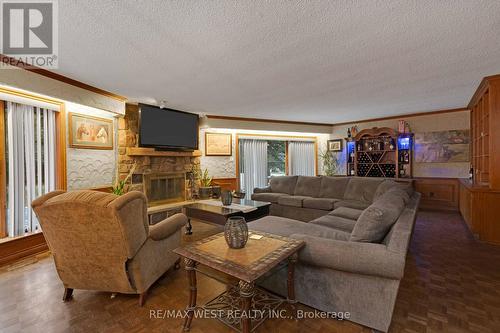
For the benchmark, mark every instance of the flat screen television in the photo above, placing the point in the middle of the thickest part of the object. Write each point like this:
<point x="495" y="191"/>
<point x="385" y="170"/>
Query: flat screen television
<point x="167" y="128"/>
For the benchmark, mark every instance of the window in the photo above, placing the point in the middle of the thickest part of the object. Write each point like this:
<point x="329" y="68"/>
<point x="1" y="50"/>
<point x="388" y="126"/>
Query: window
<point x="30" y="142"/>
<point x="276" y="158"/>
<point x="261" y="159"/>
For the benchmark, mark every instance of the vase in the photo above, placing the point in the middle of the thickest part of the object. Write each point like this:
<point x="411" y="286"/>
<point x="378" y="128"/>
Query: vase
<point x="236" y="232"/>
<point x="216" y="191"/>
<point x="226" y="198"/>
<point x="205" y="192"/>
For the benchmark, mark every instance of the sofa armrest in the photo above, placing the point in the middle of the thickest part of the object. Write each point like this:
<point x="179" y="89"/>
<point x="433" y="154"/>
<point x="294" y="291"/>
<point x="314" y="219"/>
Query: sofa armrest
<point x="262" y="189"/>
<point x="167" y="227"/>
<point x="354" y="257"/>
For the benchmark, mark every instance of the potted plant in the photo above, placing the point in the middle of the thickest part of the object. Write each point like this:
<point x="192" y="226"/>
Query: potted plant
<point x="330" y="163"/>
<point x="119" y="187"/>
<point x="205" y="190"/>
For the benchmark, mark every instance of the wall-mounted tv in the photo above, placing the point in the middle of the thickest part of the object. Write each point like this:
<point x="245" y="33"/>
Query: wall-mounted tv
<point x="167" y="128"/>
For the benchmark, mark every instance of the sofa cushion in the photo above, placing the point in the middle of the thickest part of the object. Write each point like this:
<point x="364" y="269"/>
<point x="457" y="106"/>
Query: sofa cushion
<point x="319" y="203"/>
<point x="356" y="204"/>
<point x="346" y="212"/>
<point x="291" y="200"/>
<point x="400" y="191"/>
<point x="283" y="184"/>
<point x="376" y="220"/>
<point x="268" y="197"/>
<point x="389" y="184"/>
<point x="362" y="188"/>
<point x="335" y="222"/>
<point x="308" y="186"/>
<point x="266" y="189"/>
<point x="286" y="227"/>
<point x="333" y="187"/>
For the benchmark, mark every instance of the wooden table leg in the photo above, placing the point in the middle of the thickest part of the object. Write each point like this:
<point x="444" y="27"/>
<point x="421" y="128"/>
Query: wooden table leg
<point x="189" y="227"/>
<point x="291" y="284"/>
<point x="246" y="293"/>
<point x="191" y="273"/>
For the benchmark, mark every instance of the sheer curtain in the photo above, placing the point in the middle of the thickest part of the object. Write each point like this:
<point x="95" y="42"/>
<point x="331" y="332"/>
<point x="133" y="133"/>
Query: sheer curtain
<point x="301" y="157"/>
<point x="31" y="163"/>
<point x="253" y="165"/>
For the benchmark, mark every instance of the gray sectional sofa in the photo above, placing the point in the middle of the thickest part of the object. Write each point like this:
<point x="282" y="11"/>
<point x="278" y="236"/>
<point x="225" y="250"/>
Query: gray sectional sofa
<point x="357" y="235"/>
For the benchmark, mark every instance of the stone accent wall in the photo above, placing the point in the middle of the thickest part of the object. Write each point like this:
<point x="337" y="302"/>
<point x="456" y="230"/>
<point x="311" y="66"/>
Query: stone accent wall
<point x="128" y="135"/>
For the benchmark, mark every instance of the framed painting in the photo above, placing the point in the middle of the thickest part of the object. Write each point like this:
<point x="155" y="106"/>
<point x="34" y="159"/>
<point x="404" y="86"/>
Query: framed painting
<point x="218" y="144"/>
<point x="335" y="145"/>
<point x="88" y="132"/>
<point x="443" y="146"/>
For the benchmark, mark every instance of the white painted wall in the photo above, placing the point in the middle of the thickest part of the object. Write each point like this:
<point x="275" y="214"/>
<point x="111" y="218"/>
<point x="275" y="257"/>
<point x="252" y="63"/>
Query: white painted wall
<point x="225" y="166"/>
<point x="87" y="168"/>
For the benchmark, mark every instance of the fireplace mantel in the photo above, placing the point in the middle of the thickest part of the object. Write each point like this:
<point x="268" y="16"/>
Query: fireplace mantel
<point x="139" y="151"/>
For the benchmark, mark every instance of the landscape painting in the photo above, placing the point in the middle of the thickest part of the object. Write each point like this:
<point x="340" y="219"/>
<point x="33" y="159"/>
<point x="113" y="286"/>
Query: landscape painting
<point x="218" y="144"/>
<point x="443" y="146"/>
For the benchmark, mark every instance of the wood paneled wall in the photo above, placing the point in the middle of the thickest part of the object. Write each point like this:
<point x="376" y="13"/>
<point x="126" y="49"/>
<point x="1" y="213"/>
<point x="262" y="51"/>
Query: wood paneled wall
<point x="230" y="184"/>
<point x="21" y="247"/>
<point x="438" y="193"/>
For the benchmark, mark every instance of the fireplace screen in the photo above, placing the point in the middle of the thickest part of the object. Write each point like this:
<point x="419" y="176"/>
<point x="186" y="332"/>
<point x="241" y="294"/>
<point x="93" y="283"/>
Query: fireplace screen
<point x="167" y="187"/>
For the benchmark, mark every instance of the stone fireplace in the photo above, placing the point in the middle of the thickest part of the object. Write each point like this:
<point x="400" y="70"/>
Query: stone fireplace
<point x="160" y="175"/>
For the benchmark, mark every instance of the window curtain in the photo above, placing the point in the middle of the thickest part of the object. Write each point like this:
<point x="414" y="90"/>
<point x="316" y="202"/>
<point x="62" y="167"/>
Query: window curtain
<point x="301" y="157"/>
<point x="31" y="163"/>
<point x="253" y="165"/>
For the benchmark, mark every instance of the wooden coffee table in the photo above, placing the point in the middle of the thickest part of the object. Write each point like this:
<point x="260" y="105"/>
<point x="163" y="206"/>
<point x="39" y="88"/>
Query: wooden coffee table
<point x="257" y="258"/>
<point x="220" y="214"/>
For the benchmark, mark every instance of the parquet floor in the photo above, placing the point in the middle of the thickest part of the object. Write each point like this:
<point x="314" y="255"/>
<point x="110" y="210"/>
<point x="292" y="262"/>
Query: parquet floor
<point x="451" y="284"/>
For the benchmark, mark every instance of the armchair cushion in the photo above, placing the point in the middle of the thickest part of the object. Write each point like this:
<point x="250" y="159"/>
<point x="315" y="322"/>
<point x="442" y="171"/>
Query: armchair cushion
<point x="361" y="258"/>
<point x="167" y="227"/>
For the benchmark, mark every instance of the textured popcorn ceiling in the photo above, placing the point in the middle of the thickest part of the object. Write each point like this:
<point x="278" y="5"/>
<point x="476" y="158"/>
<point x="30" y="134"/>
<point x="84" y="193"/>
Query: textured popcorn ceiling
<point x="320" y="61"/>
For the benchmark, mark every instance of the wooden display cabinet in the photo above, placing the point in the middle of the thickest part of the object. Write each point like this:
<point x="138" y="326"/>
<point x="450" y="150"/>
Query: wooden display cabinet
<point x="480" y="197"/>
<point x="380" y="152"/>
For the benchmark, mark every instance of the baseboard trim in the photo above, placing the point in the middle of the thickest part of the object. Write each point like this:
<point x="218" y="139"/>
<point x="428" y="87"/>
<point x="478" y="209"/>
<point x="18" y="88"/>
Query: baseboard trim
<point x="22" y="247"/>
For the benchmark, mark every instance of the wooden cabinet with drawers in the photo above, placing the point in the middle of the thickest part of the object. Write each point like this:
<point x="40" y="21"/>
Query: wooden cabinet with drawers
<point x="480" y="199"/>
<point x="480" y="208"/>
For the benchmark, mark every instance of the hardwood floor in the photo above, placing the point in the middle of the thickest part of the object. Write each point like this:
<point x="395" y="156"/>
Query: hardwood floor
<point x="451" y="284"/>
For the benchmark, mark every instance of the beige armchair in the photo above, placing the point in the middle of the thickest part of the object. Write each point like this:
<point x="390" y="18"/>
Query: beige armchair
<point x="102" y="241"/>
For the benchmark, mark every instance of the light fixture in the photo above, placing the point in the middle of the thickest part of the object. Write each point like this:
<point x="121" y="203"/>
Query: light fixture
<point x="203" y="121"/>
<point x="163" y="104"/>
